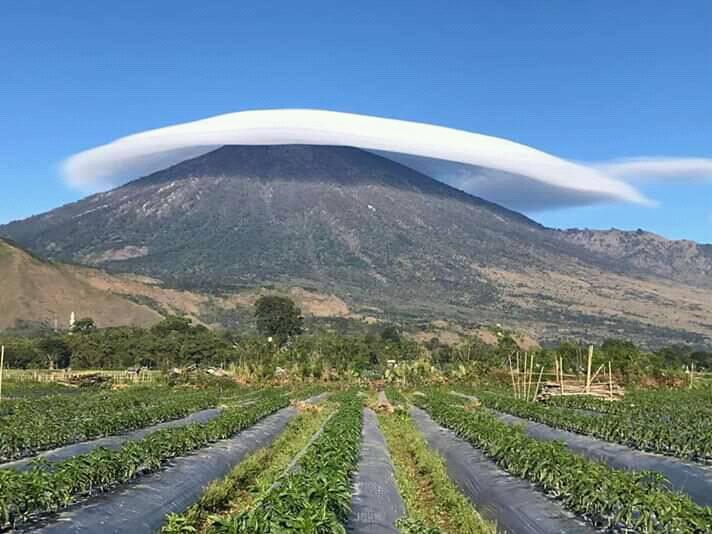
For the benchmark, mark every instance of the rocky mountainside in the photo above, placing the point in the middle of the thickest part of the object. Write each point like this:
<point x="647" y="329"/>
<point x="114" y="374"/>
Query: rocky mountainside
<point x="644" y="252"/>
<point x="388" y="240"/>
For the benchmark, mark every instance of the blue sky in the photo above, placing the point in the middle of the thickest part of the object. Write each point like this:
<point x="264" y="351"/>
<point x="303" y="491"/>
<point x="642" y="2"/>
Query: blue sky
<point x="588" y="81"/>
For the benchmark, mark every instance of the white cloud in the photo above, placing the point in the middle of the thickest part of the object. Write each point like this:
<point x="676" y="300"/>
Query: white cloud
<point x="499" y="170"/>
<point x="658" y="168"/>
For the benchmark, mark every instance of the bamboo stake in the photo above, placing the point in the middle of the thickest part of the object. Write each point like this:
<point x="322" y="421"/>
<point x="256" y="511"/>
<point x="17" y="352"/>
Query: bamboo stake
<point x="596" y="373"/>
<point x="588" y="369"/>
<point x="511" y="370"/>
<point x="2" y="364"/>
<point x="538" y="383"/>
<point x="692" y="374"/>
<point x="518" y="376"/>
<point x="610" y="380"/>
<point x="556" y="369"/>
<point x="531" y="375"/>
<point x="561" y="364"/>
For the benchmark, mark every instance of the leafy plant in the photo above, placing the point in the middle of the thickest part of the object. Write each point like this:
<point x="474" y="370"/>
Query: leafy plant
<point x="316" y="497"/>
<point x="29" y="426"/>
<point x="45" y="489"/>
<point x="674" y="424"/>
<point x="608" y="498"/>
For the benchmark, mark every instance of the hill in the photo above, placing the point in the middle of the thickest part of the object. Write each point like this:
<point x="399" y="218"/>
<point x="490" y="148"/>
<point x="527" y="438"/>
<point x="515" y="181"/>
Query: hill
<point x="37" y="292"/>
<point x="34" y="292"/>
<point x="389" y="241"/>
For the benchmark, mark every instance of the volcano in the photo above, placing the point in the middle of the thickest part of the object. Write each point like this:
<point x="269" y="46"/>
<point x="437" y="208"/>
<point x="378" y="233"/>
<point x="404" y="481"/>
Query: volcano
<point x="383" y="237"/>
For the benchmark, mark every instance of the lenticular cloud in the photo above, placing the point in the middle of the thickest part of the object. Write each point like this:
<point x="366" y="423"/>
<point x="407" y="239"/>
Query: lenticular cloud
<point x="496" y="169"/>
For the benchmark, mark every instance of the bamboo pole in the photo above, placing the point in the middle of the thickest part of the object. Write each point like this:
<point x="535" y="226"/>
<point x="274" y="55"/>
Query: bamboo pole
<point x="596" y="373"/>
<point x="561" y="366"/>
<point x="2" y="365"/>
<point x="531" y="375"/>
<point x="692" y="374"/>
<point x="588" y="369"/>
<point x="518" y="376"/>
<point x="511" y="370"/>
<point x="556" y="369"/>
<point x="538" y="383"/>
<point x="610" y="380"/>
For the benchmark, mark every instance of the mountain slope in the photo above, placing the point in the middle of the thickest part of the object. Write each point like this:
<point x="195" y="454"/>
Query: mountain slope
<point x="644" y="252"/>
<point x="36" y="291"/>
<point x="377" y="234"/>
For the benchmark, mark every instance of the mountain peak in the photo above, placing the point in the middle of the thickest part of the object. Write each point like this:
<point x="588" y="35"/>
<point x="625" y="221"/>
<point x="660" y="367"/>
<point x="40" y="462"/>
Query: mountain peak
<point x="372" y="231"/>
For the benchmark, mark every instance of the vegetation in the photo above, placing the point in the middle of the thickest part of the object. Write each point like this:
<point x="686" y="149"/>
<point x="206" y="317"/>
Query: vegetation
<point x="608" y="498"/>
<point x="316" y="497"/>
<point x="252" y="478"/>
<point x="682" y="427"/>
<point x="278" y="317"/>
<point x="327" y="355"/>
<point x="32" y="425"/>
<point x="24" y="494"/>
<point x="433" y="503"/>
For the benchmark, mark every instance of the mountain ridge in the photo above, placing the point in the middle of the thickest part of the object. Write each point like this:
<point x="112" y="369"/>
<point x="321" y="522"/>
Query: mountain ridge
<point x="348" y="222"/>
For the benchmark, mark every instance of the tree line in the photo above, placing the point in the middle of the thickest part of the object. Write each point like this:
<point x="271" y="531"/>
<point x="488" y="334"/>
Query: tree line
<point x="281" y="343"/>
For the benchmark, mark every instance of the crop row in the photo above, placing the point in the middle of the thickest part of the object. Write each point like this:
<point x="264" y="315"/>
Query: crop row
<point x="690" y="439"/>
<point x="49" y="488"/>
<point x="59" y="420"/>
<point x="433" y="503"/>
<point x="317" y="496"/>
<point x="675" y="404"/>
<point x="610" y="499"/>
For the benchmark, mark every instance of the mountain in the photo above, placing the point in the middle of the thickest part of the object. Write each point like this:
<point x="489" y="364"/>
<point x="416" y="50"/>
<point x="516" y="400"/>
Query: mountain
<point x="35" y="292"/>
<point x="38" y="292"/>
<point x="388" y="240"/>
<point x="644" y="252"/>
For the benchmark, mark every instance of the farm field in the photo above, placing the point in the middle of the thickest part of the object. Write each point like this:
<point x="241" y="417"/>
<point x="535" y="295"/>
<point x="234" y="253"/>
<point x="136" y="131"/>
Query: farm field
<point x="338" y="457"/>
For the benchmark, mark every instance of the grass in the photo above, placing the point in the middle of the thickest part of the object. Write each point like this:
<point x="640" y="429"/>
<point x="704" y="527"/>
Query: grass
<point x="252" y="477"/>
<point x="433" y="502"/>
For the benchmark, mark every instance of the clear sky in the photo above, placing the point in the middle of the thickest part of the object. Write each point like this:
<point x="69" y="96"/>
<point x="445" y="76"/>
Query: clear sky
<point x="586" y="81"/>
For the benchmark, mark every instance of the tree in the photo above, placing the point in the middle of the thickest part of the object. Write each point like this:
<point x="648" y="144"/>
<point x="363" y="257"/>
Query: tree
<point x="56" y="352"/>
<point x="172" y="323"/>
<point x="278" y="317"/>
<point x="390" y="333"/>
<point x="84" y="326"/>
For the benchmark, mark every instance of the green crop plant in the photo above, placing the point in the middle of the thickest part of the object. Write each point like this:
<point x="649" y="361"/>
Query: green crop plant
<point x="252" y="477"/>
<point x="610" y="499"/>
<point x="44" y="489"/>
<point x="29" y="426"/>
<point x="433" y="503"/>
<point x="316" y="497"/>
<point x="681" y="431"/>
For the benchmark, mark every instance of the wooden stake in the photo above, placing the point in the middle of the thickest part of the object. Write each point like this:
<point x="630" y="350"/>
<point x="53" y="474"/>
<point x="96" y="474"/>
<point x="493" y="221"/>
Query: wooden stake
<point x="610" y="380"/>
<point x="692" y="373"/>
<point x="538" y="383"/>
<point x="511" y="370"/>
<point x="531" y="375"/>
<point x="588" y="369"/>
<point x="596" y="373"/>
<point x="2" y="364"/>
<point x="556" y="369"/>
<point x="561" y="367"/>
